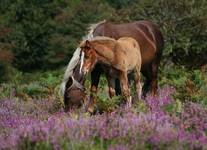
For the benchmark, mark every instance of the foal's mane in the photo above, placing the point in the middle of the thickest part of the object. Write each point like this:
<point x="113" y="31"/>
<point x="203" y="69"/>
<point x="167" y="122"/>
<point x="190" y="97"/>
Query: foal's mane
<point x="102" y="38"/>
<point x="98" y="39"/>
<point x="101" y="45"/>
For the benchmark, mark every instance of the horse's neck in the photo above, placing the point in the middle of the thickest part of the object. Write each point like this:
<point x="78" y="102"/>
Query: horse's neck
<point x="105" y="51"/>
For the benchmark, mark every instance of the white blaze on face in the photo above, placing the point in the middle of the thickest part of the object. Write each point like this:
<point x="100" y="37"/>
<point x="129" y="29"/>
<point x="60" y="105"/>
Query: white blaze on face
<point x="81" y="61"/>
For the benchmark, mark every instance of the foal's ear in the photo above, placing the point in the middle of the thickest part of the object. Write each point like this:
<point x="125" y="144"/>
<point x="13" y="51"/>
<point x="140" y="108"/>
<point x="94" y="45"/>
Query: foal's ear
<point x="88" y="44"/>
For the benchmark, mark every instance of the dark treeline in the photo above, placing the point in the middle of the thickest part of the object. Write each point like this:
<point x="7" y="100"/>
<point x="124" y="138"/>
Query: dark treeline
<point x="42" y="34"/>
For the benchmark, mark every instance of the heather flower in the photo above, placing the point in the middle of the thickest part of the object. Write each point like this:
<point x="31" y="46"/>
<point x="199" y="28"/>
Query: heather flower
<point x="117" y="147"/>
<point x="34" y="122"/>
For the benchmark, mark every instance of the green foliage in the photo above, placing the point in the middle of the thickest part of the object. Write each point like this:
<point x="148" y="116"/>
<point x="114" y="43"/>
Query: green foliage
<point x="32" y="85"/>
<point x="50" y="79"/>
<point x="190" y="85"/>
<point x="177" y="107"/>
<point x="118" y="4"/>
<point x="32" y="90"/>
<point x="9" y="74"/>
<point x="30" y="32"/>
<point x="3" y="72"/>
<point x="45" y="33"/>
<point x="105" y="103"/>
<point x="139" y="106"/>
<point x="97" y="145"/>
<point x="28" y="145"/>
<point x="6" y="90"/>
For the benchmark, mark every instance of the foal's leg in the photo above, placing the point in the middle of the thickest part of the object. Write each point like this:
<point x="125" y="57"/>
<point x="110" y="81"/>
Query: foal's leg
<point x="111" y="85"/>
<point x="137" y="78"/>
<point x="125" y="88"/>
<point x="117" y="87"/>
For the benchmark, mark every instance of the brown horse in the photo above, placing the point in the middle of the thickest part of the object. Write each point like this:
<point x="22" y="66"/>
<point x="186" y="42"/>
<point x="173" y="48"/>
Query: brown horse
<point x="122" y="57"/>
<point x="151" y="44"/>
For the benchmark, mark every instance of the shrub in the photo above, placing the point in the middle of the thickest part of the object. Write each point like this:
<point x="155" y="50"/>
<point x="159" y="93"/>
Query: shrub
<point x="190" y="84"/>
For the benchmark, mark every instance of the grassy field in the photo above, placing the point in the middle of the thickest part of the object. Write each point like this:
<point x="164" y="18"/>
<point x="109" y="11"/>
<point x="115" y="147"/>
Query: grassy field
<point x="32" y="115"/>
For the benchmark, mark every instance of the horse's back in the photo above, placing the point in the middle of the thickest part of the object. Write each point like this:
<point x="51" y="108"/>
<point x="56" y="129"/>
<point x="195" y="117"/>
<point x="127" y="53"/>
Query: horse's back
<point x="146" y="33"/>
<point x="155" y="34"/>
<point x="143" y="29"/>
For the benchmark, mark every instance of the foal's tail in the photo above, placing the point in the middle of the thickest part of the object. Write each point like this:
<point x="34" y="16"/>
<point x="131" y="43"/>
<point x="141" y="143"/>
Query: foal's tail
<point x="69" y="71"/>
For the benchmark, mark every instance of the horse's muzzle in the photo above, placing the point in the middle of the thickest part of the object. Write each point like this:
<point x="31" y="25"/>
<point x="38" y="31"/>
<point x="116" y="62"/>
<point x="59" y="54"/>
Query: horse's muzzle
<point x="75" y="95"/>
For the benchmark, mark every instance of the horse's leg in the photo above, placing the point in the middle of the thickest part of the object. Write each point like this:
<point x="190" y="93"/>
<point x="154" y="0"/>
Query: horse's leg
<point x="125" y="88"/>
<point x="111" y="85"/>
<point x="154" y="82"/>
<point x="138" y="86"/>
<point x="148" y="78"/>
<point x="95" y="76"/>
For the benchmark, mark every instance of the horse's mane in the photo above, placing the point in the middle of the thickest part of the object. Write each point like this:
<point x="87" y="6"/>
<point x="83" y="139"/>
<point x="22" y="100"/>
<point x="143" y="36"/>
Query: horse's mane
<point x="69" y="71"/>
<point x="91" y="29"/>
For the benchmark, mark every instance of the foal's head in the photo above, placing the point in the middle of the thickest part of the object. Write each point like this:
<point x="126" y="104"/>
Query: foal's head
<point x="88" y="57"/>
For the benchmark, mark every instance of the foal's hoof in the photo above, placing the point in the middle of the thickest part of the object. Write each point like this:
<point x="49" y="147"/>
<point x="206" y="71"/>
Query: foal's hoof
<point x="128" y="105"/>
<point x="90" y="110"/>
<point x="93" y="110"/>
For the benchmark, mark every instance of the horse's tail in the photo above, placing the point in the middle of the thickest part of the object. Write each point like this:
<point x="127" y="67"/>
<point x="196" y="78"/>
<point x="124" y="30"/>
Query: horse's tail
<point x="69" y="71"/>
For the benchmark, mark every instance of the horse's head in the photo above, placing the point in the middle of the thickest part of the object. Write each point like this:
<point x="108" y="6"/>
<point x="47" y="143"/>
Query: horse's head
<point x="88" y="57"/>
<point x="75" y="95"/>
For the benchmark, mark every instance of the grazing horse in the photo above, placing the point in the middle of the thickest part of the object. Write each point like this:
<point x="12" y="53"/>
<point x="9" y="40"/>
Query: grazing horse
<point x="75" y="95"/>
<point x="151" y="43"/>
<point x="72" y="89"/>
<point x="121" y="56"/>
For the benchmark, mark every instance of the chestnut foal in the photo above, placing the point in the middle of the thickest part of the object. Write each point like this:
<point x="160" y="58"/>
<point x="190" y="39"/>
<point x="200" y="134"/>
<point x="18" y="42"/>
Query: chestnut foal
<point x="122" y="56"/>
